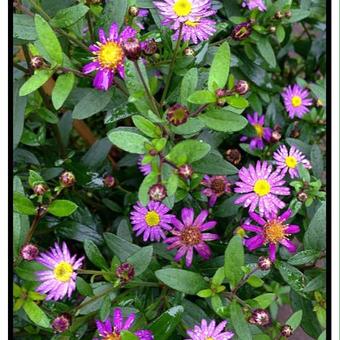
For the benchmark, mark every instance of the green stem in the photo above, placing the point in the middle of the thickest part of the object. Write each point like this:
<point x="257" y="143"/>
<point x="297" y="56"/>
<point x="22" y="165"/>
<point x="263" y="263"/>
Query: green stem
<point x="171" y="69"/>
<point x="244" y="280"/>
<point x="90" y="272"/>
<point x="90" y="25"/>
<point x="142" y="284"/>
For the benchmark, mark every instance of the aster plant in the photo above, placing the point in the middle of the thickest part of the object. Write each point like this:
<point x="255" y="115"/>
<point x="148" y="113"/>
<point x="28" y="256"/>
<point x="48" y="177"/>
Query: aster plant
<point x="169" y="169"/>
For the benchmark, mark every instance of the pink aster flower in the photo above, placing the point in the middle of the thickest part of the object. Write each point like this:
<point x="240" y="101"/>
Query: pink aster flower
<point x="188" y="235"/>
<point x="111" y="331"/>
<point x="216" y="186"/>
<point x="261" y="133"/>
<point x="272" y="231"/>
<point x="253" y="4"/>
<point x="59" y="279"/>
<point x="209" y="331"/>
<point x="145" y="169"/>
<point x="151" y="221"/>
<point x="289" y="160"/>
<point x="108" y="56"/>
<point x="259" y="187"/>
<point x="296" y="101"/>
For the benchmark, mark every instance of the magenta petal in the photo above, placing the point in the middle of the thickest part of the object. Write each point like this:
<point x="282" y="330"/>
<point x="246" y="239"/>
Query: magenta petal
<point x="272" y="252"/>
<point x="291" y="247"/>
<point x="254" y="242"/>
<point x="286" y="215"/>
<point x="121" y="71"/>
<point x="254" y="228"/>
<point x="90" y="67"/>
<point x="127" y="33"/>
<point x="257" y="218"/>
<point x="118" y="319"/>
<point x="292" y="229"/>
<point x="113" y="33"/>
<point x="201" y="218"/>
<point x="187" y="216"/>
<point x="102" y="37"/>
<point x="129" y="321"/>
<point x="188" y="259"/>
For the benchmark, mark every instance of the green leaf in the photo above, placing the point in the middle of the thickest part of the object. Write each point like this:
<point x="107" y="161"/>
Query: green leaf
<point x="83" y="287"/>
<point x="163" y="327"/>
<point x="237" y="101"/>
<point x="234" y="260"/>
<point x="120" y="247"/>
<point x="147" y="127"/>
<point x="38" y="79"/>
<point x="189" y="84"/>
<point x="222" y="120"/>
<point x="94" y="255"/>
<point x="105" y="309"/>
<point x="23" y="27"/>
<point x="128" y="140"/>
<point x="319" y="92"/>
<point x="240" y="324"/>
<point x="205" y="293"/>
<point x="61" y="208"/>
<point x="126" y="335"/>
<point x="22" y="204"/>
<point x="202" y="97"/>
<point x="182" y="280"/>
<point x="27" y="270"/>
<point x="255" y="281"/>
<point x="315" y="236"/>
<point x="141" y="259"/>
<point x="36" y="314"/>
<point x="303" y="147"/>
<point x="97" y="153"/>
<point x="266" y="50"/>
<point x="218" y="276"/>
<point x="298" y="15"/>
<point x="219" y="70"/>
<point x="19" y="105"/>
<point x="62" y="89"/>
<point x="280" y="33"/>
<point x="143" y="191"/>
<point x="304" y="257"/>
<point x="291" y="275"/>
<point x="317" y="283"/>
<point x="47" y="115"/>
<point x="192" y="126"/>
<point x="265" y="300"/>
<point x="295" y="320"/>
<point x="116" y="13"/>
<point x="34" y="178"/>
<point x="48" y="39"/>
<point x="316" y="160"/>
<point x="94" y="102"/>
<point x="69" y="16"/>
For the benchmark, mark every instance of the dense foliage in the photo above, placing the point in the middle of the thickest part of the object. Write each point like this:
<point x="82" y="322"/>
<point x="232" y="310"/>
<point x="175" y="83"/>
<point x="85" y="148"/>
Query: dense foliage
<point x="169" y="169"/>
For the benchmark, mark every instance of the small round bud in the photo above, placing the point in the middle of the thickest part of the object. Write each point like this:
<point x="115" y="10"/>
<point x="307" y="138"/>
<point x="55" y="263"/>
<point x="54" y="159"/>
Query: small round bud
<point x="189" y="52"/>
<point x="29" y="252"/>
<point x="319" y="103"/>
<point x="125" y="272"/>
<point x="41" y="210"/>
<point x="177" y="114"/>
<point x="149" y="47"/>
<point x="221" y="101"/>
<point x="288" y="14"/>
<point x="302" y="196"/>
<point x="278" y="15"/>
<point x="185" y="171"/>
<point x="220" y="92"/>
<point x="109" y="181"/>
<point x="242" y="87"/>
<point x="272" y="29"/>
<point x="67" y="179"/>
<point x="240" y="232"/>
<point x="153" y="152"/>
<point x="157" y="192"/>
<point x="264" y="263"/>
<point x="37" y="62"/>
<point x="62" y="323"/>
<point x="322" y="121"/>
<point x="133" y="11"/>
<point x="233" y="156"/>
<point x="275" y="137"/>
<point x="241" y="31"/>
<point x="132" y="49"/>
<point x="295" y="132"/>
<point x="260" y="317"/>
<point x="286" y="331"/>
<point x="40" y="189"/>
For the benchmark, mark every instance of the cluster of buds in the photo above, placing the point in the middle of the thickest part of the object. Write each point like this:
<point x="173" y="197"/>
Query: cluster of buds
<point x="286" y="331"/>
<point x="264" y="263"/>
<point x="29" y="252"/>
<point x="241" y="87"/>
<point x="242" y="31"/>
<point x="233" y="156"/>
<point x="37" y="62"/>
<point x="157" y="192"/>
<point x="125" y="272"/>
<point x="149" y="47"/>
<point x="189" y="52"/>
<point x="185" y="171"/>
<point x="109" y="181"/>
<point x="276" y="134"/>
<point x="40" y="189"/>
<point x="132" y="49"/>
<point x="62" y="323"/>
<point x="133" y="11"/>
<point x="279" y="15"/>
<point x="177" y="114"/>
<point x="259" y="317"/>
<point x="67" y="179"/>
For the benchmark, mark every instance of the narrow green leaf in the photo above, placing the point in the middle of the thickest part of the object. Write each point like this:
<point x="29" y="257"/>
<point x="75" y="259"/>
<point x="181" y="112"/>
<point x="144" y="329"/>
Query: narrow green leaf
<point x="295" y="320"/>
<point x="83" y="287"/>
<point x="19" y="105"/>
<point x="38" y="79"/>
<point x="234" y="260"/>
<point x="105" y="309"/>
<point x="214" y="164"/>
<point x="47" y="115"/>
<point x="62" y="89"/>
<point x="266" y="50"/>
<point x="202" y="97"/>
<point x="141" y="259"/>
<point x="189" y="84"/>
<point x="292" y="276"/>
<point x="147" y="127"/>
<point x="34" y="178"/>
<point x="94" y="255"/>
<point x="120" y="247"/>
<point x="36" y="314"/>
<point x="265" y="300"/>
<point x="22" y="204"/>
<point x="240" y="324"/>
<point x="23" y="27"/>
<point x="69" y="16"/>
<point x="61" y="208"/>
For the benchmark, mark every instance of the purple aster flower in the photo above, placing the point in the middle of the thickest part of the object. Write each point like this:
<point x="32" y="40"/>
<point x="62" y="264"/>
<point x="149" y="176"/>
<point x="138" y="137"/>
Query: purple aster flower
<point x="261" y="132"/>
<point x="188" y="235"/>
<point x="59" y="279"/>
<point x="215" y="187"/>
<point x="296" y="101"/>
<point x="209" y="331"/>
<point x="289" y="160"/>
<point x="196" y="31"/>
<point x="271" y="231"/>
<point x="145" y="169"/>
<point x="111" y="331"/>
<point x="253" y="4"/>
<point x="151" y="221"/>
<point x="259" y="187"/>
<point x="108" y="56"/>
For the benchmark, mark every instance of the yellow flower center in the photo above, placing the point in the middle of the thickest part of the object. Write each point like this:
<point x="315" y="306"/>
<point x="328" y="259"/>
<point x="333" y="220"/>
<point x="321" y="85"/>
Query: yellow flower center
<point x="191" y="236"/>
<point x="191" y="23"/>
<point x="262" y="187"/>
<point x="182" y="7"/>
<point x="63" y="271"/>
<point x="296" y="101"/>
<point x="259" y="130"/>
<point x="291" y="162"/>
<point x="152" y="218"/>
<point x="113" y="336"/>
<point x="110" y="55"/>
<point x="274" y="231"/>
<point x="209" y="338"/>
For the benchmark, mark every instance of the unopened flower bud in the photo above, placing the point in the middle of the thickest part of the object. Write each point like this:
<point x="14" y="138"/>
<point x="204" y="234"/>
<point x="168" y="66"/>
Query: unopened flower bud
<point x="109" y="181"/>
<point x="322" y="121"/>
<point x="132" y="49"/>
<point x="157" y="192"/>
<point x="185" y="171"/>
<point x="233" y="156"/>
<point x="275" y="137"/>
<point x="133" y="11"/>
<point x="189" y="51"/>
<point x="177" y="114"/>
<point x="295" y="132"/>
<point x="264" y="263"/>
<point x="241" y="31"/>
<point x="37" y="62"/>
<point x="242" y="87"/>
<point x="278" y="15"/>
<point x="221" y="101"/>
<point x="259" y="317"/>
<point x="302" y="196"/>
<point x="149" y="47"/>
<point x="67" y="179"/>
<point x="40" y="189"/>
<point x="125" y="272"/>
<point x="62" y="323"/>
<point x="220" y="92"/>
<point x="288" y="14"/>
<point x="286" y="331"/>
<point x="272" y="29"/>
<point x="240" y="232"/>
<point x="319" y="103"/>
<point x="29" y="252"/>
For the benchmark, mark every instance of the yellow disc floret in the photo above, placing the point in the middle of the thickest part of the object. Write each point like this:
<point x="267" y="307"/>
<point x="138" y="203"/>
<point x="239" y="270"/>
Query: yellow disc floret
<point x="259" y="130"/>
<point x="113" y="336"/>
<point x="262" y="187"/>
<point x="182" y="7"/>
<point x="191" y="23"/>
<point x="296" y="101"/>
<point x="291" y="162"/>
<point x="63" y="271"/>
<point x="110" y="55"/>
<point x="152" y="218"/>
<point x="274" y="231"/>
